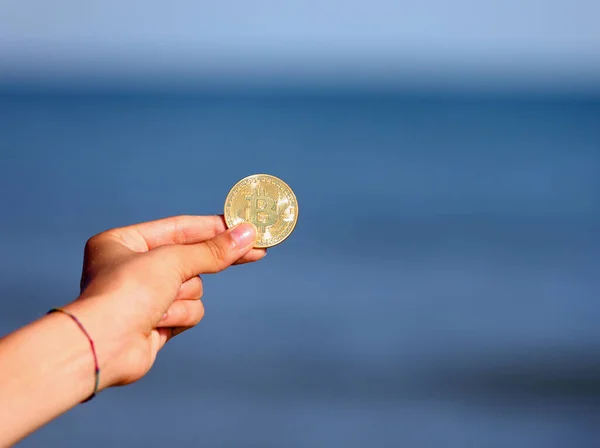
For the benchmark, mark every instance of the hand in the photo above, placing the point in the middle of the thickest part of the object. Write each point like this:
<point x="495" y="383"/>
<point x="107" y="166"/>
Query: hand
<point x="141" y="286"/>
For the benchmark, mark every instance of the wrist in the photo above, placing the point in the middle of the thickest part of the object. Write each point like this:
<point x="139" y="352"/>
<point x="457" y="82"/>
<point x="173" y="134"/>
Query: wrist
<point x="107" y="339"/>
<point x="47" y="368"/>
<point x="72" y="352"/>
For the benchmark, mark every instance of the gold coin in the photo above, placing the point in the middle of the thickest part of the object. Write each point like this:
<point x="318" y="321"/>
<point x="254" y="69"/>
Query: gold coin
<point x="267" y="202"/>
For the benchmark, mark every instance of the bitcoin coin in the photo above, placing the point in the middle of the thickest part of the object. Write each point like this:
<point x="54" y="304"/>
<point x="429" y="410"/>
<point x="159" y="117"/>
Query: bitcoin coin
<point x="267" y="202"/>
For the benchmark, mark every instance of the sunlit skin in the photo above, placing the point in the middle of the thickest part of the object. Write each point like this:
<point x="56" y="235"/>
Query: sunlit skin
<point x="140" y="286"/>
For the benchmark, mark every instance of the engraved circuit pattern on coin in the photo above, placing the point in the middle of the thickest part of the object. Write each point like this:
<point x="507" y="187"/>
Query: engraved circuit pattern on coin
<point x="267" y="202"/>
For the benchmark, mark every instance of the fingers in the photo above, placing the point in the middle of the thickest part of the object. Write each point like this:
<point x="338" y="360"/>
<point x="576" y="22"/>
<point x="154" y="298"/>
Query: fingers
<point x="181" y="316"/>
<point x="174" y="230"/>
<point x="252" y="256"/>
<point x="212" y="255"/>
<point x="183" y="313"/>
<point x="191" y="289"/>
<point x="164" y="334"/>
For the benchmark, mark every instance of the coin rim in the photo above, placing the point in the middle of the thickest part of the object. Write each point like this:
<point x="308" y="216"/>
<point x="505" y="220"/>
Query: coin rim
<point x="284" y="183"/>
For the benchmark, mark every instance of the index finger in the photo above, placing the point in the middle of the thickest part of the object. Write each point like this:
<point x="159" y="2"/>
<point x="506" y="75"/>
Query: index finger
<point x="183" y="229"/>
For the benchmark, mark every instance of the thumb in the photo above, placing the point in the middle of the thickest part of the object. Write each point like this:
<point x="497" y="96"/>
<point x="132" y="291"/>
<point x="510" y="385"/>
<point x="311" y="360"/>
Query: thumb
<point x="213" y="255"/>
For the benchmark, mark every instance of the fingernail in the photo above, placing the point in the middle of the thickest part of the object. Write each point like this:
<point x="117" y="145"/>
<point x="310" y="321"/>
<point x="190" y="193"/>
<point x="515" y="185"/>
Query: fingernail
<point x="243" y="234"/>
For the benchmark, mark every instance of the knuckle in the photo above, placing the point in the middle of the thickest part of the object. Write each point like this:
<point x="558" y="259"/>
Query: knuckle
<point x="93" y="243"/>
<point x="180" y="234"/>
<point x="191" y="289"/>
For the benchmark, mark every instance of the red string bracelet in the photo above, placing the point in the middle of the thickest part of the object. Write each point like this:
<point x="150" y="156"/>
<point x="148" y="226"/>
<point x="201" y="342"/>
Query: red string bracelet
<point x="96" y="367"/>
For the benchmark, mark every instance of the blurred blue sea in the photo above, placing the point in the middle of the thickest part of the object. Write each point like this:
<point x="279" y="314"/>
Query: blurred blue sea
<point x="441" y="287"/>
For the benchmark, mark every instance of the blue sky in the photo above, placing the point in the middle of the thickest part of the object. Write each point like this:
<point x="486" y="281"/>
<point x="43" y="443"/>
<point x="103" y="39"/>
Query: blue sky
<point x="552" y="41"/>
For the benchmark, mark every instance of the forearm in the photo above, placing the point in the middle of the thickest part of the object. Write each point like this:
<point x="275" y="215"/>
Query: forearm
<point x="46" y="368"/>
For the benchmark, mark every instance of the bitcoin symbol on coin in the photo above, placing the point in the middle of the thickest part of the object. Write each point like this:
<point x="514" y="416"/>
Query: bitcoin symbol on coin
<point x="262" y="210"/>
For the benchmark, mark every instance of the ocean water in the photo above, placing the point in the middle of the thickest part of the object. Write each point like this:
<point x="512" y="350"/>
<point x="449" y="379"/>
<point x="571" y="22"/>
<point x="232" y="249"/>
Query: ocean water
<point x="441" y="288"/>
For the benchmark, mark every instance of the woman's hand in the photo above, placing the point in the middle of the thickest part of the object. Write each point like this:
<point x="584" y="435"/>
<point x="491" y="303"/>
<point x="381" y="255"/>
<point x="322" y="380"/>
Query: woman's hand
<point x="141" y="286"/>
